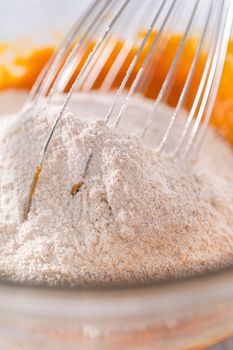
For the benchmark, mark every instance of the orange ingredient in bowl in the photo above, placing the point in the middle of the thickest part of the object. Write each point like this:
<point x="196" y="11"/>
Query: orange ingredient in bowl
<point x="19" y="68"/>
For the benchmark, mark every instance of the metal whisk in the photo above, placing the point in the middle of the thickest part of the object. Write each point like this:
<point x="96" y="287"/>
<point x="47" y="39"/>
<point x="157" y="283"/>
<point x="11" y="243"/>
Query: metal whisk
<point x="133" y="33"/>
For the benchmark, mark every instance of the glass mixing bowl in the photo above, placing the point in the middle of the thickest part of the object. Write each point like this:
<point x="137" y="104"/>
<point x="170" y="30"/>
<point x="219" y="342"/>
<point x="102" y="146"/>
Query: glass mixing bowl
<point x="185" y="314"/>
<point x="178" y="315"/>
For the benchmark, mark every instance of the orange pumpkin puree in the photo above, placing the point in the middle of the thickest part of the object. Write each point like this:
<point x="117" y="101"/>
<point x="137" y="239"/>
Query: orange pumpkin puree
<point x="20" y="66"/>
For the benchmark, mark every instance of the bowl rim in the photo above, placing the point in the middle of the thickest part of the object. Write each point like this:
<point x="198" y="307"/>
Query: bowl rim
<point x="198" y="278"/>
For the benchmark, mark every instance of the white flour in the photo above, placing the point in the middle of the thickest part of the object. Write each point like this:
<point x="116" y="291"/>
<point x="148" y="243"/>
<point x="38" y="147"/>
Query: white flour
<point x="135" y="217"/>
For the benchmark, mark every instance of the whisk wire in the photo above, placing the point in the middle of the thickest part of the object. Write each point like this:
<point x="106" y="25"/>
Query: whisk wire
<point x="170" y="72"/>
<point x="214" y="74"/>
<point x="70" y="63"/>
<point x="127" y="29"/>
<point x="136" y="57"/>
<point x="197" y="99"/>
<point x="47" y="74"/>
<point x="186" y="85"/>
<point x="222" y="55"/>
<point x="124" y="53"/>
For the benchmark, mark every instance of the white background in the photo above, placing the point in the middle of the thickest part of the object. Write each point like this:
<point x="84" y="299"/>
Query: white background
<point x="37" y="18"/>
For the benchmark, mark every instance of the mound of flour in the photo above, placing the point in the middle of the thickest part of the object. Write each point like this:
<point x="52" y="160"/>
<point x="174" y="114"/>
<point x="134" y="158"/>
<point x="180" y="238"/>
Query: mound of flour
<point x="136" y="216"/>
